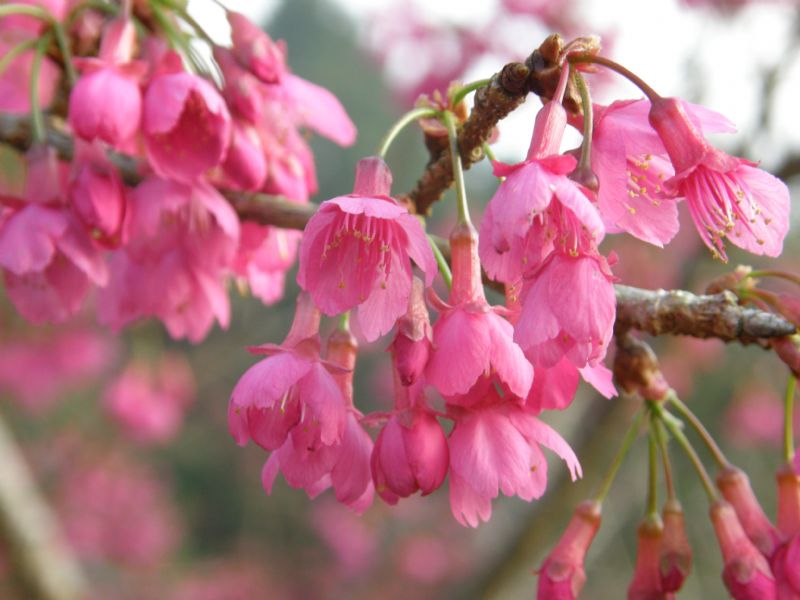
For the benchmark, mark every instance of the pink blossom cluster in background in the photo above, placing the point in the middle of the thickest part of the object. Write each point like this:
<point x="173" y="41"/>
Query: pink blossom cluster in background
<point x="165" y="247"/>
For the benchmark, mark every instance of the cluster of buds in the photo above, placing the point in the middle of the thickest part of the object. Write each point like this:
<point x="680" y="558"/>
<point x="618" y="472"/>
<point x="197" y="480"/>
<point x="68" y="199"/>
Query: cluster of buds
<point x="166" y="246"/>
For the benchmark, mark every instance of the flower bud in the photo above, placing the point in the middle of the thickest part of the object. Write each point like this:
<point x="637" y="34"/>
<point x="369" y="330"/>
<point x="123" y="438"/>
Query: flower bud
<point x="411" y="347"/>
<point x="676" y="555"/>
<point x="789" y="501"/>
<point x="735" y="487"/>
<point x="746" y="573"/>
<point x="646" y="583"/>
<point x="561" y="576"/>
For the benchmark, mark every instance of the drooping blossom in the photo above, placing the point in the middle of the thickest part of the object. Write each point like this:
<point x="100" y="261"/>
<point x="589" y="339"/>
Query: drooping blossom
<point x="356" y="253"/>
<point x="728" y="197"/>
<point x="292" y="387"/>
<point x="186" y="126"/>
<point x="411" y="451"/>
<point x="106" y="102"/>
<point x="412" y="345"/>
<point x="495" y="447"/>
<point x="470" y="339"/>
<point x="308" y="462"/>
<point x="746" y="573"/>
<point x="149" y="401"/>
<point x="245" y="165"/>
<point x="561" y="576"/>
<point x="182" y="241"/>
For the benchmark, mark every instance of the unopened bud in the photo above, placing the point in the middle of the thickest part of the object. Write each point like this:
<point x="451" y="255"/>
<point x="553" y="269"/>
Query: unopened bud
<point x="646" y="583"/>
<point x="735" y="487"/>
<point x="676" y="556"/>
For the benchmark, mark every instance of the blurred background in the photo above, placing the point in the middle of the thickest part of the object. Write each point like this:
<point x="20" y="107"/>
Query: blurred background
<point x="172" y="508"/>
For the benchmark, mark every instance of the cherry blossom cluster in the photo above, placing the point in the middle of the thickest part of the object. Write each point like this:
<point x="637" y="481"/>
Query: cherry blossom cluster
<point x="496" y="367"/>
<point x="167" y="246"/>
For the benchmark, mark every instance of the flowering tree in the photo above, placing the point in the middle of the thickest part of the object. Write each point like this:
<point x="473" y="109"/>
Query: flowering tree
<point x="155" y="177"/>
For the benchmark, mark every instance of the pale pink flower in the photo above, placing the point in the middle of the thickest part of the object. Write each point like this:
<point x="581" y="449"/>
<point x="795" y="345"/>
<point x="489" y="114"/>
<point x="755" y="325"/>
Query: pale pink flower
<point x="149" y="401"/>
<point x="728" y="197"/>
<point x="264" y="256"/>
<point x="470" y="338"/>
<point x="568" y="311"/>
<point x="357" y="250"/>
<point x="494" y="447"/>
<point x="746" y="572"/>
<point x="186" y="126"/>
<point x="561" y="576"/>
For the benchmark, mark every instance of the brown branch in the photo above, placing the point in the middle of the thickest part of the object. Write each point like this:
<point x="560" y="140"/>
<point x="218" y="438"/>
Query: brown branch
<point x="678" y="312"/>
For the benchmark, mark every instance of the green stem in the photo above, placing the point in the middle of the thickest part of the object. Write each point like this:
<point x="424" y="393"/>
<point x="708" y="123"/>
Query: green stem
<point x="185" y="16"/>
<point x="29" y="11"/>
<point x="651" y="94"/>
<point x="713" y="447"/>
<point x="487" y="150"/>
<point x="402" y="122"/>
<point x="444" y="268"/>
<point x="39" y="133"/>
<point x="770" y="273"/>
<point x="788" y="419"/>
<point x="344" y="321"/>
<point x="588" y="122"/>
<point x="458" y="170"/>
<point x="468" y="88"/>
<point x="661" y="438"/>
<point x="176" y="37"/>
<point x="66" y="53"/>
<point x="673" y="426"/>
<point x="652" y="470"/>
<point x="14" y="52"/>
<point x="630" y="436"/>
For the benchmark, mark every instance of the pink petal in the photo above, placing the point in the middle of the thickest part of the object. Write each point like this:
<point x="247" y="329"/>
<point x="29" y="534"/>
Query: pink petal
<point x="468" y="507"/>
<point x="320" y="110"/>
<point x="461" y="352"/>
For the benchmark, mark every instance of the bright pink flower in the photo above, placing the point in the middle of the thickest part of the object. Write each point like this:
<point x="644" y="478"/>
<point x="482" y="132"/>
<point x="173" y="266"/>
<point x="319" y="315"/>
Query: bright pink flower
<point x="494" y="447"/>
<point x="97" y="196"/>
<point x="186" y="126"/>
<point x="568" y="311"/>
<point x="735" y="487"/>
<point x="746" y="572"/>
<point x="411" y="452"/>
<point x="48" y="262"/>
<point x="646" y="582"/>
<point x="182" y="240"/>
<point x="727" y="196"/>
<point x="264" y="256"/>
<point x="291" y="388"/>
<point x="470" y="338"/>
<point x="537" y="207"/>
<point x="561" y="576"/>
<point x="310" y="462"/>
<point x="356" y="253"/>
<point x="149" y="402"/>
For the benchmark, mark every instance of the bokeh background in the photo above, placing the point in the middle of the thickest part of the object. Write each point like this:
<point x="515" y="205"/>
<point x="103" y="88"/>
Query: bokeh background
<point x="182" y="515"/>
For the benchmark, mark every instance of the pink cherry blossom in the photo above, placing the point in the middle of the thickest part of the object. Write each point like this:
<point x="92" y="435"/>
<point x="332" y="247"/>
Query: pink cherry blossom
<point x="357" y="250"/>
<point x="728" y="197"/>
<point x="182" y="240"/>
<point x="568" y="311"/>
<point x="149" y="402"/>
<point x="646" y="582"/>
<point x="245" y="166"/>
<point x="561" y="576"/>
<point x="470" y="339"/>
<point x="412" y="345"/>
<point x="494" y="447"/>
<point x="255" y="50"/>
<point x="186" y="126"/>
<point x="264" y="256"/>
